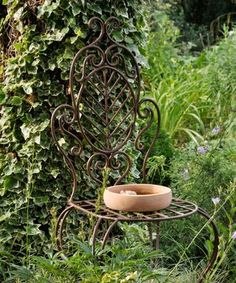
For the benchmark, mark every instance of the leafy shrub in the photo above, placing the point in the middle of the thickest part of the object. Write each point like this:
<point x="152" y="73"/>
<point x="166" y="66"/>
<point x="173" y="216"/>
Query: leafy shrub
<point x="194" y="93"/>
<point x="199" y="172"/>
<point x="173" y="82"/>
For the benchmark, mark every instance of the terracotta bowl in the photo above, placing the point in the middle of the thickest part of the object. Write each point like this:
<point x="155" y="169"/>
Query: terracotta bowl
<point x="137" y="197"/>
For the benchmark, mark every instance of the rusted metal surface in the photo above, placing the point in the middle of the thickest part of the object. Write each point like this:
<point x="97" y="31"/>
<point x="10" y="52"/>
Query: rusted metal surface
<point x="104" y="84"/>
<point x="178" y="209"/>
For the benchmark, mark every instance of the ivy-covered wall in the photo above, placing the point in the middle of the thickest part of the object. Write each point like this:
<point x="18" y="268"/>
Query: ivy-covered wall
<point x="38" y="41"/>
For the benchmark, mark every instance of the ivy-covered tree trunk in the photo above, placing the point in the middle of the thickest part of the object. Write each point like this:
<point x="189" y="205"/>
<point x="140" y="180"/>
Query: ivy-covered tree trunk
<point x="38" y="41"/>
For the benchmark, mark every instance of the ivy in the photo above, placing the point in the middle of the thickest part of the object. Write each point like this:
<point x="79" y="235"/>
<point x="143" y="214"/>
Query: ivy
<point x="38" y="43"/>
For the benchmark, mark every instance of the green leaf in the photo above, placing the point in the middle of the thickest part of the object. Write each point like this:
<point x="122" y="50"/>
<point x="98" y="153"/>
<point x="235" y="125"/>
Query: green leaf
<point x="2" y="96"/>
<point x="9" y="182"/>
<point x="40" y="200"/>
<point x="18" y="14"/>
<point x="76" y="9"/>
<point x="95" y="8"/>
<point x="55" y="172"/>
<point x="25" y="129"/>
<point x="5" y="216"/>
<point x="117" y="36"/>
<point x="27" y="89"/>
<point x="16" y="100"/>
<point x="57" y="34"/>
<point x="33" y="230"/>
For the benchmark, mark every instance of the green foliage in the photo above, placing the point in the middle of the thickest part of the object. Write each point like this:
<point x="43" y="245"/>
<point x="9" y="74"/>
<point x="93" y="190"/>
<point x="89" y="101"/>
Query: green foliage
<point x="193" y="93"/>
<point x="38" y="42"/>
<point x="161" y="156"/>
<point x="203" y="171"/>
<point x="173" y="82"/>
<point x="224" y="215"/>
<point x="219" y="64"/>
<point x="128" y="260"/>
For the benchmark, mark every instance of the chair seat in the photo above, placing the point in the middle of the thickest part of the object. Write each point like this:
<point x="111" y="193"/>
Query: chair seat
<point x="178" y="209"/>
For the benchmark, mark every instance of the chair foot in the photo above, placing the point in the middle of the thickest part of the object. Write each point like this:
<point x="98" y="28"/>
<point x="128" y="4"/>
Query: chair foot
<point x="95" y="231"/>
<point x="105" y="238"/>
<point x="60" y="225"/>
<point x="215" y="247"/>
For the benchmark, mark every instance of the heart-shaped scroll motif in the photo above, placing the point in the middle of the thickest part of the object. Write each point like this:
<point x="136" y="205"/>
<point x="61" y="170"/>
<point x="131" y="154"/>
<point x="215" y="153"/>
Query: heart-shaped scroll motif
<point x="107" y="109"/>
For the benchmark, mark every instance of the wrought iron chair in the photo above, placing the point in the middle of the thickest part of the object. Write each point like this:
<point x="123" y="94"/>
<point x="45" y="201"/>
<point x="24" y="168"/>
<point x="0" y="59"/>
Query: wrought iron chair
<point x="97" y="130"/>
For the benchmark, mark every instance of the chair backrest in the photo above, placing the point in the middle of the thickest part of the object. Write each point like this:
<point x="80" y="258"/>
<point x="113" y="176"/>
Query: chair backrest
<point x="96" y="130"/>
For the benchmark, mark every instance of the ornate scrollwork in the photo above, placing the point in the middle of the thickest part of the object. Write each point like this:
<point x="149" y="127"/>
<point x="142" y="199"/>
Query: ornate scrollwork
<point x="96" y="165"/>
<point x="104" y="84"/>
<point x="146" y="112"/>
<point x="115" y="163"/>
<point x="118" y="162"/>
<point x="62" y="121"/>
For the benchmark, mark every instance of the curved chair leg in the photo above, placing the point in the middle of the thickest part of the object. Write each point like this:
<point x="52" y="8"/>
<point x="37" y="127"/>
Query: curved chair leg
<point x="95" y="230"/>
<point x="113" y="224"/>
<point x="216" y="243"/>
<point x="59" y="226"/>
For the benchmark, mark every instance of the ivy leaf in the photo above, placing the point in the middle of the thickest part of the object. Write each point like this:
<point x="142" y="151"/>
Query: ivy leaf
<point x="16" y="100"/>
<point x="117" y="36"/>
<point x="33" y="230"/>
<point x="95" y="8"/>
<point x="2" y="96"/>
<point x="55" y="172"/>
<point x="76" y="9"/>
<point x="57" y="35"/>
<point x="18" y="14"/>
<point x="9" y="182"/>
<point x="68" y="53"/>
<point x="27" y="88"/>
<point x="123" y="12"/>
<point x="5" y="216"/>
<point x="41" y="200"/>
<point x="37" y="139"/>
<point x="25" y="129"/>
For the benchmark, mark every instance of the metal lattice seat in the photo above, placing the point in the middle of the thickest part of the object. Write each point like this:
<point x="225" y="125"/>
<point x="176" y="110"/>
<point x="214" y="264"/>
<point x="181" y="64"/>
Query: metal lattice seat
<point x="97" y="130"/>
<point x="178" y="209"/>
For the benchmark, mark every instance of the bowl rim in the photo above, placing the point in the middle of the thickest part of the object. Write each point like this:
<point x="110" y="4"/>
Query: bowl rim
<point x="168" y="190"/>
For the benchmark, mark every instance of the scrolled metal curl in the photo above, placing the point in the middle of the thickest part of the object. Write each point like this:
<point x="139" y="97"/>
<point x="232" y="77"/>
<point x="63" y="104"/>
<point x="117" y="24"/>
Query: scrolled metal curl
<point x="99" y="165"/>
<point x="96" y="59"/>
<point x="115" y="58"/>
<point x="116" y="164"/>
<point x="76" y="150"/>
<point x="115" y="24"/>
<point x="63" y="123"/>
<point x="147" y="113"/>
<point x="97" y="22"/>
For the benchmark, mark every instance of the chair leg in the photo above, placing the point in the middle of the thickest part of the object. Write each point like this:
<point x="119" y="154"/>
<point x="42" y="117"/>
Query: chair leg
<point x="215" y="248"/>
<point x="60" y="225"/>
<point x="95" y="230"/>
<point x="113" y="224"/>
